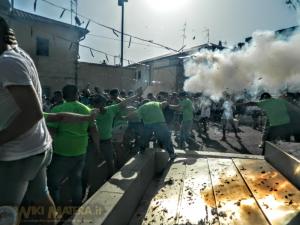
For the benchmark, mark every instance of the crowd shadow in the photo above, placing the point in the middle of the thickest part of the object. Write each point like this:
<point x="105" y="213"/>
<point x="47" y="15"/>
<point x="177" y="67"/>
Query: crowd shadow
<point x="186" y="161"/>
<point x="212" y="143"/>
<point x="243" y="149"/>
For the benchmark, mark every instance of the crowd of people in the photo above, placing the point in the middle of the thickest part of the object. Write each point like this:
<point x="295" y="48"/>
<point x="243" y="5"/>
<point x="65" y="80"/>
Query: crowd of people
<point x="184" y="111"/>
<point x="43" y="140"/>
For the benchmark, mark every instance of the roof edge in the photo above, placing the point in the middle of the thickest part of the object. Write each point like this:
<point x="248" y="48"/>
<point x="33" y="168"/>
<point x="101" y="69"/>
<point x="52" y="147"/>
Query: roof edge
<point x="17" y="13"/>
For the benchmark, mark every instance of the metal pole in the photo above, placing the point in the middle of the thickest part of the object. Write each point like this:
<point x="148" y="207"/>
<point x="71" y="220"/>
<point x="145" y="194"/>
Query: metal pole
<point x="71" y="5"/>
<point x="76" y="65"/>
<point x="122" y="34"/>
<point x="12" y="5"/>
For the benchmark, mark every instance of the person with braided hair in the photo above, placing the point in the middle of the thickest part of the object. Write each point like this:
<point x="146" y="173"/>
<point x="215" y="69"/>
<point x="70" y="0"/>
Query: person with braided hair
<point x="25" y="143"/>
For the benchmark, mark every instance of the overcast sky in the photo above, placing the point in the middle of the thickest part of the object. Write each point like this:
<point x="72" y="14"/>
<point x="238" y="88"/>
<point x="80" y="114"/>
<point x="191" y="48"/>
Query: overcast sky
<point x="163" y="21"/>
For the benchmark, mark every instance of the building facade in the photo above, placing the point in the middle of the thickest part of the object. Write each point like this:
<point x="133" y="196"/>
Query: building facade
<point x="166" y="73"/>
<point x="53" y="46"/>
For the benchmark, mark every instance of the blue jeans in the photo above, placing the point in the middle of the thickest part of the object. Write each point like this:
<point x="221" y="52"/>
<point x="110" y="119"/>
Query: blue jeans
<point x="161" y="132"/>
<point x="108" y="151"/>
<point x="185" y="131"/>
<point x="62" y="167"/>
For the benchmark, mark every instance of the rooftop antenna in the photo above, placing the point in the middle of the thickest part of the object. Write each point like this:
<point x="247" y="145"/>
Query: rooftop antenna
<point x="74" y="6"/>
<point x="12" y="5"/>
<point x="207" y="31"/>
<point x="183" y="36"/>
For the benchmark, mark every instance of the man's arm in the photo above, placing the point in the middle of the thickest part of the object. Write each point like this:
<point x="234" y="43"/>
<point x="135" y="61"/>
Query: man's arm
<point x="246" y="104"/>
<point x="131" y="115"/>
<point x="164" y="104"/>
<point x="124" y="103"/>
<point x="70" y="117"/>
<point x="30" y="113"/>
<point x="175" y="107"/>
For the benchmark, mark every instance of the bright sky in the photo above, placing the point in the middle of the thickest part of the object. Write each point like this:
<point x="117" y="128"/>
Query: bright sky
<point x="163" y="21"/>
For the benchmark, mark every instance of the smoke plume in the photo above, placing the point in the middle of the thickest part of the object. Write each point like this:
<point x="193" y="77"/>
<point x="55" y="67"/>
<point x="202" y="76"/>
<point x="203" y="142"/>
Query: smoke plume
<point x="268" y="63"/>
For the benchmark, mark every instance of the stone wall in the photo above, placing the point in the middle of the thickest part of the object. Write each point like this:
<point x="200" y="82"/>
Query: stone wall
<point x="105" y="76"/>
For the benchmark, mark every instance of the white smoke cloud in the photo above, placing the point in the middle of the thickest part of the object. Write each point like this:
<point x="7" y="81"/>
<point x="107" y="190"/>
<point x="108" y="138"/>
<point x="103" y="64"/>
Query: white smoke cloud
<point x="267" y="62"/>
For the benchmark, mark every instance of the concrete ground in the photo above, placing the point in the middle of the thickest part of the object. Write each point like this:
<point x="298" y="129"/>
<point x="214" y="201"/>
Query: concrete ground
<point x="248" y="144"/>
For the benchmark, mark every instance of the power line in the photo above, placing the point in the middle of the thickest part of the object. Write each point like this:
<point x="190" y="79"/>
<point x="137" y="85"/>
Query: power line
<point x="115" y="39"/>
<point x="92" y="49"/>
<point x="111" y="28"/>
<point x="97" y="50"/>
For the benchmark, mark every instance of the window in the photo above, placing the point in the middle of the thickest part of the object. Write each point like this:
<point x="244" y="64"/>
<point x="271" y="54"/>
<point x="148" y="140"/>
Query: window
<point x="139" y="75"/>
<point x="42" y="46"/>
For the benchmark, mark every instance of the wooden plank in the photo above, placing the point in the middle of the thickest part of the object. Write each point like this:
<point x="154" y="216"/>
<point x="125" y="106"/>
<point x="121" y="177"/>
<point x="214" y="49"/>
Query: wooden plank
<point x="235" y="203"/>
<point x="277" y="197"/>
<point x="163" y="207"/>
<point x="197" y="205"/>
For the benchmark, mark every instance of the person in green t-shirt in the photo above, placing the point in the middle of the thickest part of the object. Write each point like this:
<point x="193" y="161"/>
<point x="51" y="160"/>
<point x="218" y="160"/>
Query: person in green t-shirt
<point x="154" y="123"/>
<point x="120" y="124"/>
<point x="70" y="141"/>
<point x="186" y="107"/>
<point x="278" y="119"/>
<point x="132" y="135"/>
<point x="104" y="120"/>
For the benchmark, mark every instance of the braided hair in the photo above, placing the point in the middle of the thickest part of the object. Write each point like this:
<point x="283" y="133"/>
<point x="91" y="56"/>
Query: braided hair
<point x="7" y="33"/>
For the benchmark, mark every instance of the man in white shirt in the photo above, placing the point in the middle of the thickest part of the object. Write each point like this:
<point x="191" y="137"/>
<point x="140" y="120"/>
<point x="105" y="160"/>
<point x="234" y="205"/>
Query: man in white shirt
<point x="205" y="112"/>
<point x="25" y="144"/>
<point x="227" y="117"/>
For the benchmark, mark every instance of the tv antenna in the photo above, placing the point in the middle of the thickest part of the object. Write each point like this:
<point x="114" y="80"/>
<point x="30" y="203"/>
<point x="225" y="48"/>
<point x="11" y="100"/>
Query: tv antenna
<point x="207" y="31"/>
<point x="183" y="36"/>
<point x="74" y="7"/>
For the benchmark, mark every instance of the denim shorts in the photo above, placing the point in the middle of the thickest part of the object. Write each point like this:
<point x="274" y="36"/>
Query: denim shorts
<point x="24" y="177"/>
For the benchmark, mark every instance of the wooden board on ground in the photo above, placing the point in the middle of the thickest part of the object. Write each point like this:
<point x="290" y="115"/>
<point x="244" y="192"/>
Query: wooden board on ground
<point x="277" y="197"/>
<point x="197" y="203"/>
<point x="235" y="203"/>
<point x="164" y="205"/>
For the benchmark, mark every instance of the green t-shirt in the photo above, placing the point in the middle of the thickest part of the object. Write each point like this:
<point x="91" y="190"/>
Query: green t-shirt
<point x="119" y="118"/>
<point x="276" y="111"/>
<point x="187" y="109"/>
<point x="71" y="139"/>
<point x="105" y="121"/>
<point x="151" y="113"/>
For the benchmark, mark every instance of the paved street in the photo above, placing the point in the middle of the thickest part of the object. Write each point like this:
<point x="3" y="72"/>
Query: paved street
<point x="250" y="139"/>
